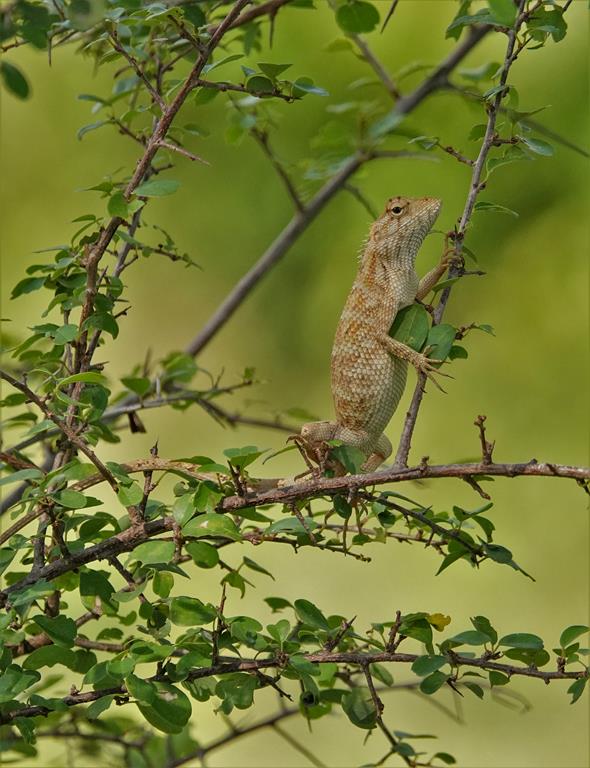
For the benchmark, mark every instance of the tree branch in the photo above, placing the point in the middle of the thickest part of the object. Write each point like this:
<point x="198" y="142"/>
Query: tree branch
<point x="401" y="458"/>
<point x="362" y="659"/>
<point x="130" y="538"/>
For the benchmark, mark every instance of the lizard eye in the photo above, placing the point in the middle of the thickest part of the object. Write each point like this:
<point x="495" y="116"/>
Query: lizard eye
<point x="397" y="210"/>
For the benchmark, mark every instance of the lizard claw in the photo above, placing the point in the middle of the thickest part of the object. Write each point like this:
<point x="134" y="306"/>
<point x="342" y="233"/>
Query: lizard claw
<point x="452" y="259"/>
<point x="426" y="366"/>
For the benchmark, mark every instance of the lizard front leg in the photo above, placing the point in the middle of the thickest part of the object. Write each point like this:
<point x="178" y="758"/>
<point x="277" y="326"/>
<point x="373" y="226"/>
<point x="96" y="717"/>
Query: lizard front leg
<point x="420" y="362"/>
<point x="431" y="278"/>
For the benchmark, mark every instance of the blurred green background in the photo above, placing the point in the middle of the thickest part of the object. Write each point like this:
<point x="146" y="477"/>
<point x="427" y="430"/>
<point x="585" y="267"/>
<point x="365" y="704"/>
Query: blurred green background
<point x="531" y="379"/>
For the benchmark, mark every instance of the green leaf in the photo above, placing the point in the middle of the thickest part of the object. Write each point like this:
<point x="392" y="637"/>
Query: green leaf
<point x="360" y="708"/>
<point x="71" y="499"/>
<point x="204" y="555"/>
<point x="311" y="615"/>
<point x="339" y="44"/>
<point x="140" y="385"/>
<point x="95" y="710"/>
<point x="451" y="558"/>
<point x="193" y="13"/>
<point x="572" y="633"/>
<point x="157" y="188"/>
<point x="102" y="321"/>
<point x="129" y="495"/>
<point x="538" y="146"/>
<point x="61" y="629"/>
<point x="95" y="584"/>
<point x="418" y="627"/>
<point x="20" y="475"/>
<point x="458" y="352"/>
<point x="304" y="85"/>
<point x="440" y="340"/>
<point x="190" y="611"/>
<point x="205" y="95"/>
<point x="273" y="70"/>
<point x="357" y="17"/>
<point x="547" y="21"/>
<point x="279" y="631"/>
<point x="170" y="709"/>
<point x="49" y="656"/>
<point x="212" y="524"/>
<point x="277" y="603"/>
<point x="522" y="640"/>
<point x="477" y="132"/>
<point x="497" y="678"/>
<point x="293" y="525"/>
<point x="254" y="566"/>
<point x="14" y="80"/>
<point x="577" y="689"/>
<point x="117" y="205"/>
<point x="482" y="205"/>
<point x="411" y="326"/>
<point x="90" y="127"/>
<point x="469" y="637"/>
<point x="483" y="72"/>
<point x="444" y="757"/>
<point x="28" y="285"/>
<point x="183" y="508"/>
<point x="259" y="84"/>
<point x="237" y="690"/>
<point x="89" y="377"/>
<point x="162" y="583"/>
<point x="351" y="458"/>
<point x="65" y="334"/>
<point x="503" y="11"/>
<point x="483" y="625"/>
<point x="342" y="507"/>
<point x="380" y="672"/>
<point x="242" y="457"/>
<point x="476" y="689"/>
<point x="154" y="552"/>
<point x="426" y="665"/>
<point x="425" y="142"/>
<point x="224" y="60"/>
<point x="433" y="682"/>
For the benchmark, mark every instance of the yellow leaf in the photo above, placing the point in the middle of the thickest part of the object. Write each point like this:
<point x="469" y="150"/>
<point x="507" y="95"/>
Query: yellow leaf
<point x="438" y="620"/>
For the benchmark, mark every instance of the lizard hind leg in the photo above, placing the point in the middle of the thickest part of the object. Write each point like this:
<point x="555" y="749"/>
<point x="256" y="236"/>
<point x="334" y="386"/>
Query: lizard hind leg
<point x="312" y="441"/>
<point x="381" y="452"/>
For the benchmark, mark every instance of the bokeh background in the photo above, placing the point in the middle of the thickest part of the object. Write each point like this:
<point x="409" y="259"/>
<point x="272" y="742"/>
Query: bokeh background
<point x="530" y="379"/>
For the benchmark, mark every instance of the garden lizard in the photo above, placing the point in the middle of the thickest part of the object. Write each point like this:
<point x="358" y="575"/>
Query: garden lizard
<point x="369" y="367"/>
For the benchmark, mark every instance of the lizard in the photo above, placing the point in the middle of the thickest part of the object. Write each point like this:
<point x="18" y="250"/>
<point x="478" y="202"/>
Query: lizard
<point x="368" y="367"/>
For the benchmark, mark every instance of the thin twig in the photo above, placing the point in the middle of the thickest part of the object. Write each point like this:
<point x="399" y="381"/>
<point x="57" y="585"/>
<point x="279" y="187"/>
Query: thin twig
<point x="63" y="427"/>
<point x="182" y="151"/>
<point x="403" y="450"/>
<point x="390" y="13"/>
<point x="116" y="43"/>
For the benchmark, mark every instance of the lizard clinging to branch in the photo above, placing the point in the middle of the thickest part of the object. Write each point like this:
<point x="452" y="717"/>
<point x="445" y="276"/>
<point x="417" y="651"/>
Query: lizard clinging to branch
<point x="369" y="368"/>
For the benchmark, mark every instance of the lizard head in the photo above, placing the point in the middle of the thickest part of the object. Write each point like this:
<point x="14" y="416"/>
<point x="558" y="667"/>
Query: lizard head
<point x="399" y="232"/>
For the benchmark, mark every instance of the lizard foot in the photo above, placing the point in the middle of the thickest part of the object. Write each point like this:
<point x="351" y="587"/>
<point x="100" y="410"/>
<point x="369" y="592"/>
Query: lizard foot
<point x="427" y="366"/>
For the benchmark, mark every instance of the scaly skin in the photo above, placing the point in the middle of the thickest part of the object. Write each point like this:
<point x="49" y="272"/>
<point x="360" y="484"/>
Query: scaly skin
<point x="369" y="368"/>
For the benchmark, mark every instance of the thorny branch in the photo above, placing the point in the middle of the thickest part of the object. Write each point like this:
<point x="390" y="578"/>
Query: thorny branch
<point x="476" y="185"/>
<point x="360" y="658"/>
